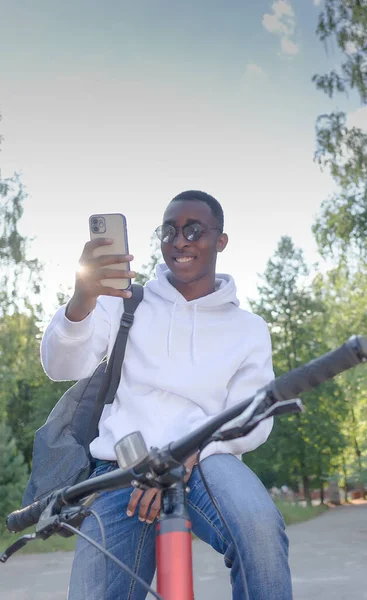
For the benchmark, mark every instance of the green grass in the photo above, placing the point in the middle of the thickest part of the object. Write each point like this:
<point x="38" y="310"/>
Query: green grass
<point x="53" y="544"/>
<point x="293" y="513"/>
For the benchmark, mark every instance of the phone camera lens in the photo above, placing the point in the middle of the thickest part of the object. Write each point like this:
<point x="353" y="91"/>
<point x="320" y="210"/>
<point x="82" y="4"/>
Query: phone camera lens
<point x="94" y="221"/>
<point x="95" y="229"/>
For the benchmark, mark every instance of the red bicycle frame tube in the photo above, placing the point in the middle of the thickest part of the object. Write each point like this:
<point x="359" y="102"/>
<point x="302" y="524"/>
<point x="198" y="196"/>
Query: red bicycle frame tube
<point x="174" y="548"/>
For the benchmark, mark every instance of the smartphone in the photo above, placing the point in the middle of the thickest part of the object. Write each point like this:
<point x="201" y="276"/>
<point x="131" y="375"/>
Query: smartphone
<point x="114" y="226"/>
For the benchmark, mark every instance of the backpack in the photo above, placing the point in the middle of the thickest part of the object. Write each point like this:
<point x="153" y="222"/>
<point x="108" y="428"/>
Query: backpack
<point x="61" y="446"/>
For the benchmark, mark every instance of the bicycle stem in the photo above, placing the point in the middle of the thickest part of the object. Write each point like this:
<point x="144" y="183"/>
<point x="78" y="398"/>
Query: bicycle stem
<point x="174" y="545"/>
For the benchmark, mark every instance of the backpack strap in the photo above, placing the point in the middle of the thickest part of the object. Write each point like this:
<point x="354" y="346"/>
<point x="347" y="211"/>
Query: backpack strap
<point x="118" y="352"/>
<point x="112" y="374"/>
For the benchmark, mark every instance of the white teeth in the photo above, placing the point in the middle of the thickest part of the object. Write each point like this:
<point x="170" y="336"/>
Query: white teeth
<point x="184" y="259"/>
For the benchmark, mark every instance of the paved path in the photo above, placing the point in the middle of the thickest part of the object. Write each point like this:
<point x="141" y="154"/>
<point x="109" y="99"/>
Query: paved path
<point x="328" y="561"/>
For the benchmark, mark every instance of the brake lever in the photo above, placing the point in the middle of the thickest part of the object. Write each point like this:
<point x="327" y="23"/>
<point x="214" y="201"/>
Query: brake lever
<point x="261" y="401"/>
<point x="279" y="408"/>
<point x="49" y="524"/>
<point x="17" y="545"/>
<point x="286" y="407"/>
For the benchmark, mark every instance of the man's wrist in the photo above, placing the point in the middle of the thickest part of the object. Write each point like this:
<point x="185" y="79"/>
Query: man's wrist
<point x="78" y="310"/>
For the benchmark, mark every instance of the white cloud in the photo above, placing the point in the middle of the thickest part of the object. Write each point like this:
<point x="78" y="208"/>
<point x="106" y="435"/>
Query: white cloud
<point x="274" y="25"/>
<point x="254" y="69"/>
<point x="351" y="47"/>
<point x="358" y="118"/>
<point x="288" y="46"/>
<point x="282" y="22"/>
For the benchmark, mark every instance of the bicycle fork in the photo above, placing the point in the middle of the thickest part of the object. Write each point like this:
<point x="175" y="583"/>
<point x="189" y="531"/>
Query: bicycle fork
<point x="174" y="546"/>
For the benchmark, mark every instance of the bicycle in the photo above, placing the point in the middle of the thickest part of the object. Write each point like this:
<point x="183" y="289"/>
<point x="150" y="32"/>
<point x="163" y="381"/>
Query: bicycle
<point x="62" y="511"/>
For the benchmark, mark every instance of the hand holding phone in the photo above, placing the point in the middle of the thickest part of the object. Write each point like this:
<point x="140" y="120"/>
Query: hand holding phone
<point x="104" y="266"/>
<point x="112" y="226"/>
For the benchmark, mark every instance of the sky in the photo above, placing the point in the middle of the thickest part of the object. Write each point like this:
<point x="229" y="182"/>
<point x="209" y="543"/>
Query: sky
<point x="119" y="106"/>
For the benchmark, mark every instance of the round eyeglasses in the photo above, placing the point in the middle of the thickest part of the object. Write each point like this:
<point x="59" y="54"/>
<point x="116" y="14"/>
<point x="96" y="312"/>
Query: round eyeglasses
<point x="192" y="232"/>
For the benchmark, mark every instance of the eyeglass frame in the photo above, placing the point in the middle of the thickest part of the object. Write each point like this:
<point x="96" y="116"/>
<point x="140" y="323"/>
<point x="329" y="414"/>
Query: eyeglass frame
<point x="177" y="229"/>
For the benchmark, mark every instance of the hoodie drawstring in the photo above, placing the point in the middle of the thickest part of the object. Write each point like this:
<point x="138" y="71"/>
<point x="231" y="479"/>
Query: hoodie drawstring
<point x="169" y="340"/>
<point x="193" y="333"/>
<point x="193" y="336"/>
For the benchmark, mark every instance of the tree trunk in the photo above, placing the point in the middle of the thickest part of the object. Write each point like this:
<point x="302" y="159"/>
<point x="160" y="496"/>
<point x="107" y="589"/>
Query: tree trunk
<point x="321" y="480"/>
<point x="358" y="454"/>
<point x="306" y="489"/>
<point x="322" y="492"/>
<point x="345" y="487"/>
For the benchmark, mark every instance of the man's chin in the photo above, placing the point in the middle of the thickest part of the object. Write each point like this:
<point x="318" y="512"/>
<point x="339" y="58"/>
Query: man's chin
<point x="183" y="278"/>
<point x="183" y="271"/>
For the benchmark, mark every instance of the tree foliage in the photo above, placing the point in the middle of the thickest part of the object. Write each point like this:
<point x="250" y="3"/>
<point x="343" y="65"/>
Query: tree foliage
<point x="26" y="394"/>
<point x="19" y="275"/>
<point x="343" y="295"/>
<point x="341" y="227"/>
<point x="301" y="448"/>
<point x="13" y="474"/>
<point x="147" y="271"/>
<point x="345" y="21"/>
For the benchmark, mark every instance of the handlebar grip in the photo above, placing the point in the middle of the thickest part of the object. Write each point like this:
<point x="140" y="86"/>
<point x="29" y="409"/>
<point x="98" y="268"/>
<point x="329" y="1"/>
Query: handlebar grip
<point x="21" y="519"/>
<point x="310" y="375"/>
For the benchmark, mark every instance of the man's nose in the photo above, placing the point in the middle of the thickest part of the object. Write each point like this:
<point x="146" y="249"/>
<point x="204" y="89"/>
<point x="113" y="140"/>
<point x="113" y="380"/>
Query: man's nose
<point x="180" y="241"/>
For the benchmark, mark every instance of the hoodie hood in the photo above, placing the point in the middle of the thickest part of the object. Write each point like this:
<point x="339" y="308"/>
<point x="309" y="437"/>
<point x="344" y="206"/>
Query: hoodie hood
<point x="225" y="293"/>
<point x="225" y="290"/>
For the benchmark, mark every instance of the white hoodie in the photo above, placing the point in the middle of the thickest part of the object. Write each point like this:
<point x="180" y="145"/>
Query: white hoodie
<point x="185" y="362"/>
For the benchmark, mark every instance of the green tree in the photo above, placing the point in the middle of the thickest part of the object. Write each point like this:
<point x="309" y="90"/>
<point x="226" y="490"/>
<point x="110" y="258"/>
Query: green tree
<point x="29" y="394"/>
<point x="346" y="22"/>
<point x="13" y="474"/>
<point x="301" y="448"/>
<point x="26" y="394"/>
<point x="147" y="271"/>
<point x="343" y="293"/>
<point x="19" y="280"/>
<point x="19" y="275"/>
<point x="341" y="227"/>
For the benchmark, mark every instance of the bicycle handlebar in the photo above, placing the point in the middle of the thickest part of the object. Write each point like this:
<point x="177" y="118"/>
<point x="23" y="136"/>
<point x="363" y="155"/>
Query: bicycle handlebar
<point x="310" y="375"/>
<point x="285" y="387"/>
<point x="21" y="519"/>
<point x="29" y="515"/>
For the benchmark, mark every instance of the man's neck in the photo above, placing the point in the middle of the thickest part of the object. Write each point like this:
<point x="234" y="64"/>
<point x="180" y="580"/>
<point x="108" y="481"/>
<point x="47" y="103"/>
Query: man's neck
<point x="195" y="289"/>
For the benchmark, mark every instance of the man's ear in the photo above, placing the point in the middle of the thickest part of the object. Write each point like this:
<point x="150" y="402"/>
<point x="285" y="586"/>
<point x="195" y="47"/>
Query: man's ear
<point x="222" y="242"/>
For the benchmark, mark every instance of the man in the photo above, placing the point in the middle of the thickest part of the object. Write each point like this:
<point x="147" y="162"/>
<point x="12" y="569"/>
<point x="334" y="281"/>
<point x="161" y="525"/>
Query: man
<point x="192" y="352"/>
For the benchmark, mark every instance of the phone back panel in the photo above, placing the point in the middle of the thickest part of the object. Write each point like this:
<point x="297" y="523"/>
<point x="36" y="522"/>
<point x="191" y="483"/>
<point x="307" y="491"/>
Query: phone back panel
<point x="112" y="225"/>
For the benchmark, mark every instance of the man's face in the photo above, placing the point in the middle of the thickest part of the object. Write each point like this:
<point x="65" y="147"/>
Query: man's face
<point x="191" y="261"/>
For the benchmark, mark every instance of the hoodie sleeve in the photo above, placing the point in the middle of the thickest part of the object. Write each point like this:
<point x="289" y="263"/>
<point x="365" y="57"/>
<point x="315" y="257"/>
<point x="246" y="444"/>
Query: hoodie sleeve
<point x="72" y="350"/>
<point x="255" y="372"/>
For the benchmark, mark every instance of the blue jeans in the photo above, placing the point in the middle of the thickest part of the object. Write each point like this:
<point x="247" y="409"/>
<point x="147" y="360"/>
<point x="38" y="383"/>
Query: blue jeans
<point x="255" y="523"/>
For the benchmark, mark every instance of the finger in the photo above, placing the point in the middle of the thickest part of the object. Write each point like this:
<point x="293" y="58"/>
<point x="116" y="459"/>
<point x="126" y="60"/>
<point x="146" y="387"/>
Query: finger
<point x="145" y="503"/>
<point x="105" y="273"/>
<point x="110" y="291"/>
<point x="97" y="262"/>
<point x="189" y="464"/>
<point x="133" y="502"/>
<point x="155" y="508"/>
<point x="93" y="244"/>
<point x="112" y="259"/>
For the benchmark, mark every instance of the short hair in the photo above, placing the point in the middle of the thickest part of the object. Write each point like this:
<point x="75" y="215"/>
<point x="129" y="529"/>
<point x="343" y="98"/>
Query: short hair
<point x="213" y="204"/>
